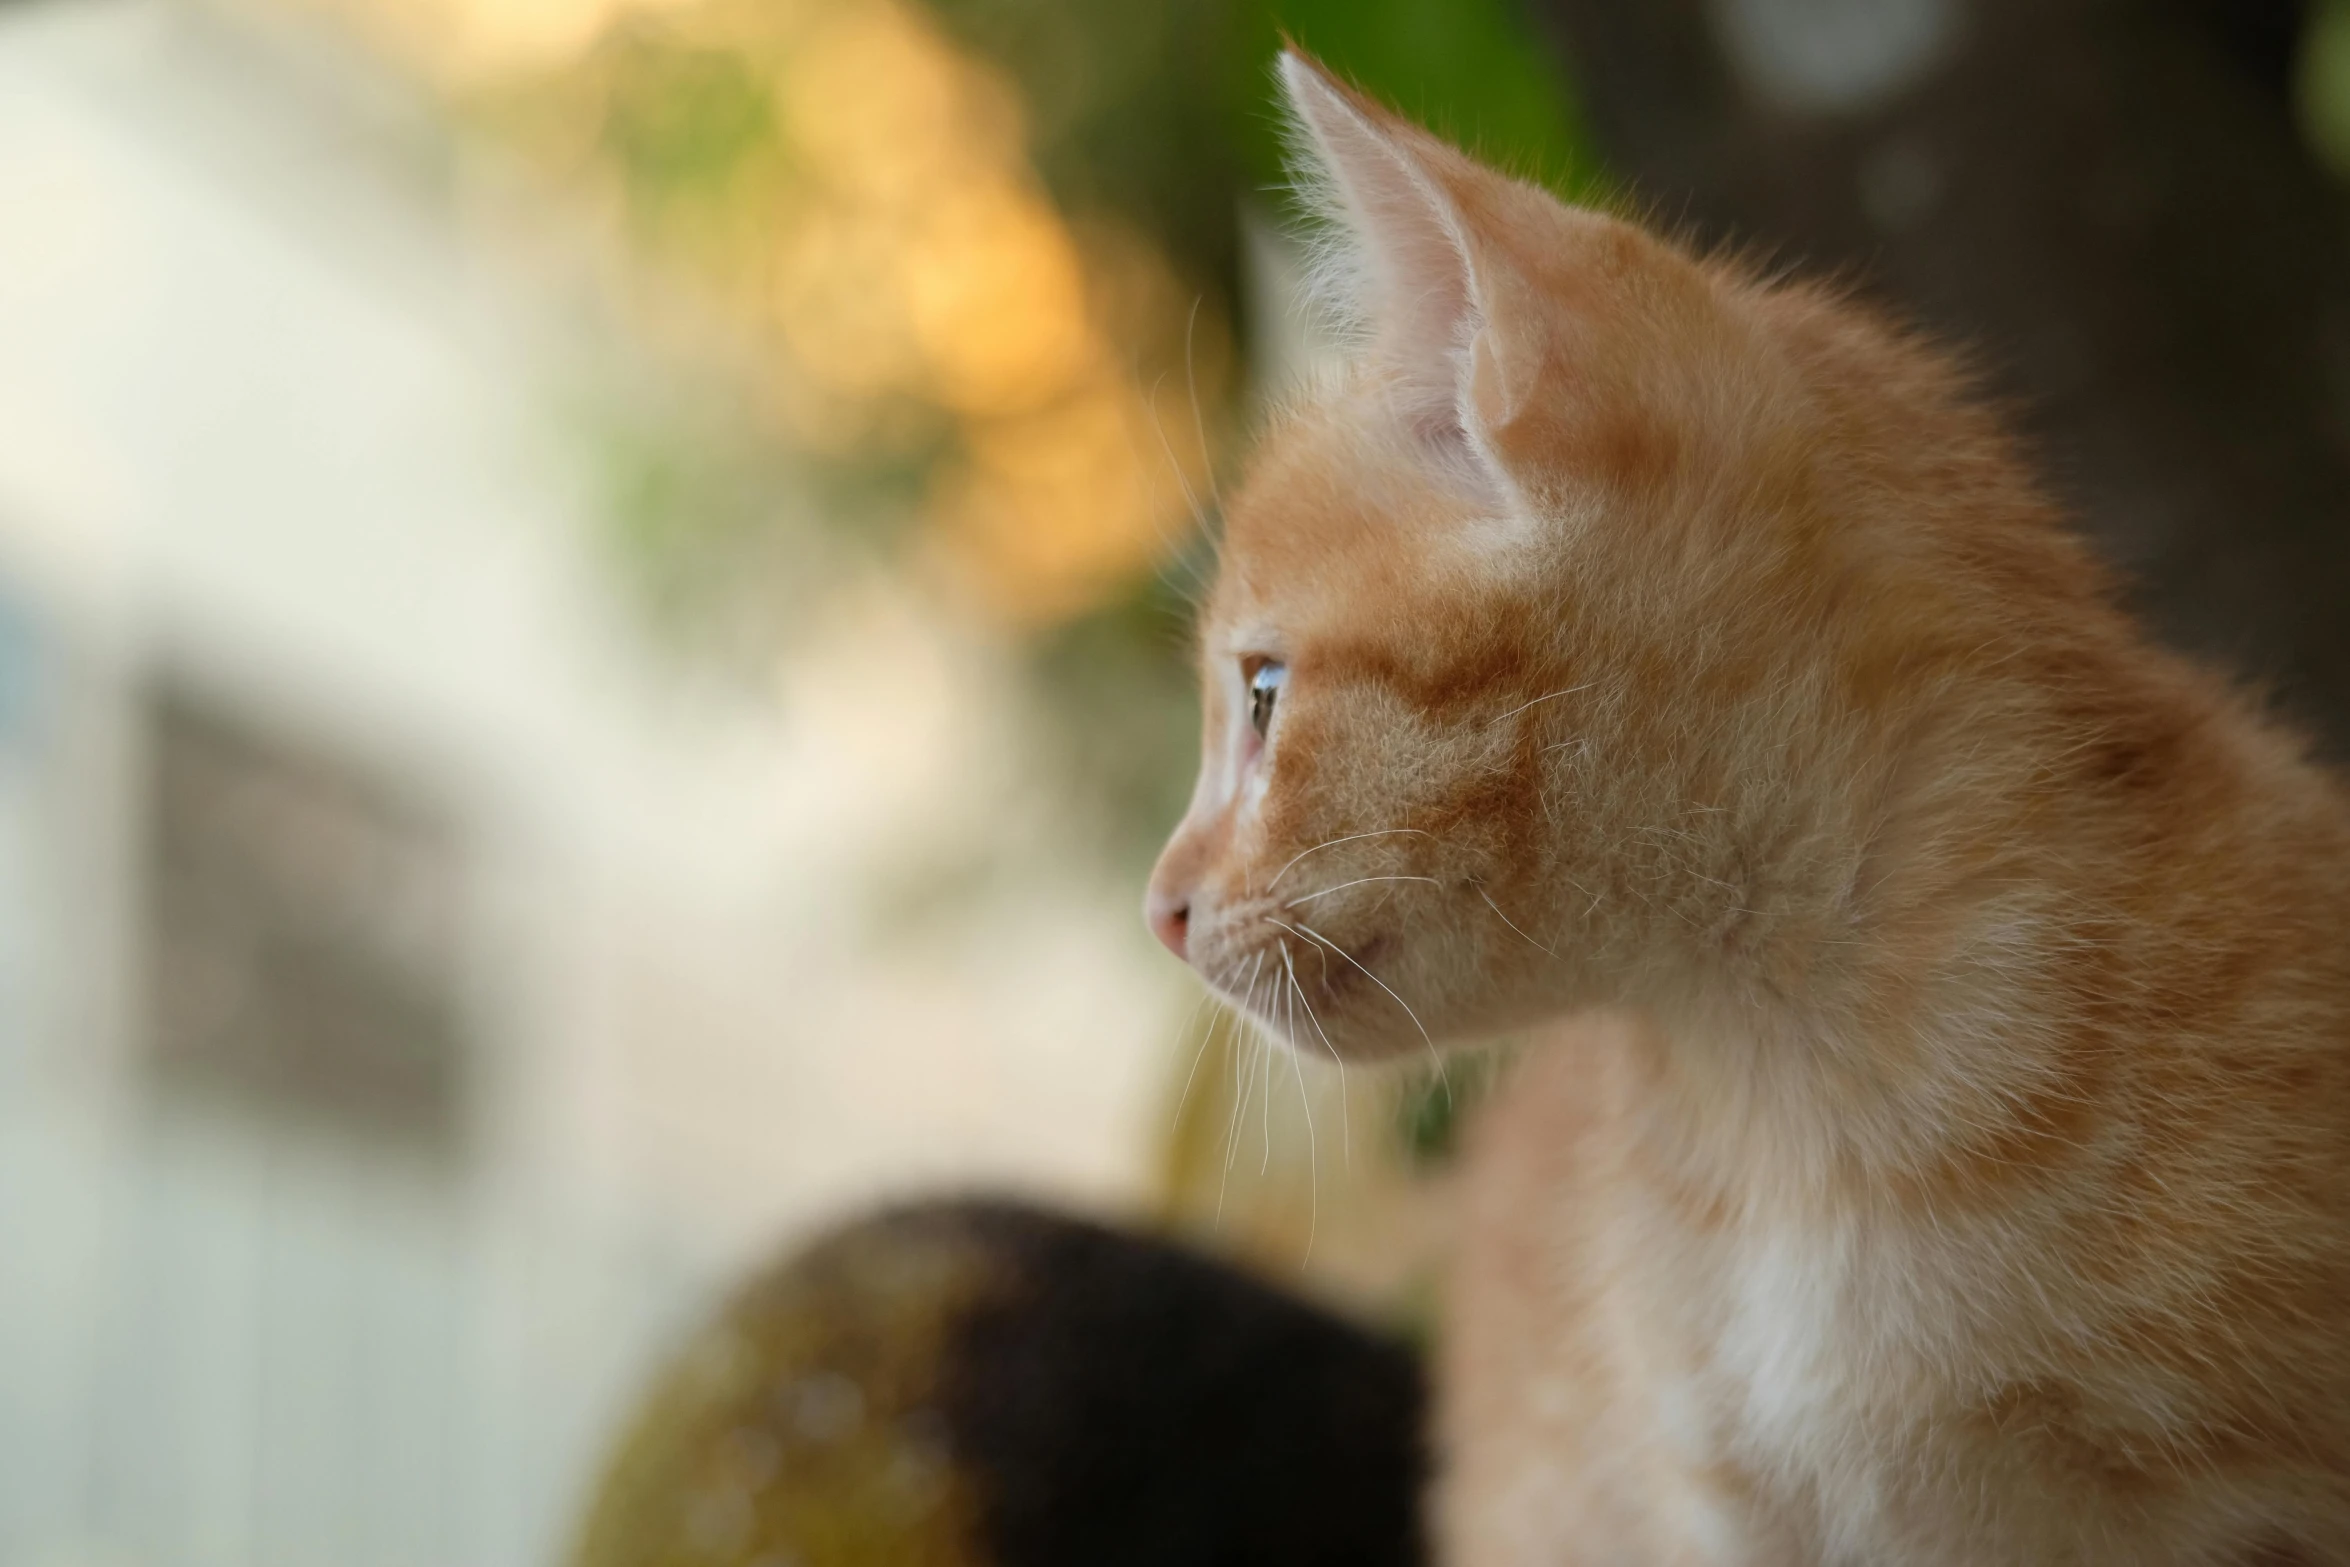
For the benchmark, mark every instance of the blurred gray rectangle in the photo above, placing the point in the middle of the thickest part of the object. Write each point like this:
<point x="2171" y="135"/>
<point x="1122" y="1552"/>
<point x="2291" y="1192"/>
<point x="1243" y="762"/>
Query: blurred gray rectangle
<point x="304" y="931"/>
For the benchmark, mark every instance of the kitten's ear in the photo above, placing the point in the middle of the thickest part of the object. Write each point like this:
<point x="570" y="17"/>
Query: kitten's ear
<point x="1445" y="311"/>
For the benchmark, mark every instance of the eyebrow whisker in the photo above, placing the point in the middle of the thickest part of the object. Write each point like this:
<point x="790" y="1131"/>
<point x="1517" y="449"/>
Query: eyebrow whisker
<point x="1357" y="882"/>
<point x="1550" y="696"/>
<point x="1513" y="924"/>
<point x="1301" y="928"/>
<point x="1330" y="843"/>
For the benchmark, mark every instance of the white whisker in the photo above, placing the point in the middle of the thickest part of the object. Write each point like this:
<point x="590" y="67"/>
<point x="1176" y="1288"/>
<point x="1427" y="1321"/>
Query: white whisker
<point x="1198" y="1055"/>
<point x="1346" y="1132"/>
<point x="1265" y="1111"/>
<point x="1443" y="1076"/>
<point x="1199" y="516"/>
<point x="1174" y="550"/>
<point x="1357" y="882"/>
<point x="1246" y="1080"/>
<point x="1384" y="832"/>
<point x="1538" y="701"/>
<point x="1199" y="427"/>
<point x="1305" y="1102"/>
<point x="1513" y="924"/>
<point x="1242" y="1079"/>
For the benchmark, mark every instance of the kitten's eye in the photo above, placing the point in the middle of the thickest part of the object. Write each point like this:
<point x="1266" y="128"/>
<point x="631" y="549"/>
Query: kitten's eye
<point x="1265" y="678"/>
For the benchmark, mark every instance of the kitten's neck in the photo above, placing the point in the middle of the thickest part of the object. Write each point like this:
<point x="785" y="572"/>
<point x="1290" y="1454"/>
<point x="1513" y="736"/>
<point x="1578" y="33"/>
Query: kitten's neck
<point x="2006" y="965"/>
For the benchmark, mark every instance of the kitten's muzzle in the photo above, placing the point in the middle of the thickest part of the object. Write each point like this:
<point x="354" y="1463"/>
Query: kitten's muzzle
<point x="1246" y="954"/>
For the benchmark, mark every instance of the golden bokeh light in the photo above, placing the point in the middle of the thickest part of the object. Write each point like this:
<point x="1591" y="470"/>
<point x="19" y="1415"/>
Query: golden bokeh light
<point x="875" y="233"/>
<point x="932" y="265"/>
<point x="996" y="297"/>
<point x="484" y="40"/>
<point x="888" y="113"/>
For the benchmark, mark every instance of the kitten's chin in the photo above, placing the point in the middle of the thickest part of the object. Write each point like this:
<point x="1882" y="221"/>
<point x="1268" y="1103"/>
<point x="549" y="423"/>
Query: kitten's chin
<point x="1322" y="998"/>
<point x="1326" y="1001"/>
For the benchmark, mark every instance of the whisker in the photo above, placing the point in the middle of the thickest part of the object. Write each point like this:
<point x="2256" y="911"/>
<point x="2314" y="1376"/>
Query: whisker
<point x="1174" y="551"/>
<point x="1538" y="701"/>
<point x="1384" y="832"/>
<point x="1248" y="1090"/>
<point x="1346" y="1133"/>
<point x="1265" y="1110"/>
<point x="1442" y="1076"/>
<point x="1513" y="924"/>
<point x="1199" y="428"/>
<point x="1243" y="1079"/>
<point x="1305" y="1102"/>
<point x="1199" y="514"/>
<point x="1198" y="1055"/>
<point x="1357" y="882"/>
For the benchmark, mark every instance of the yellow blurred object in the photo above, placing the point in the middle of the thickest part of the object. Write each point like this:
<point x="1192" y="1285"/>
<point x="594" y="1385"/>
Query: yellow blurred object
<point x="803" y="1425"/>
<point x="853" y="196"/>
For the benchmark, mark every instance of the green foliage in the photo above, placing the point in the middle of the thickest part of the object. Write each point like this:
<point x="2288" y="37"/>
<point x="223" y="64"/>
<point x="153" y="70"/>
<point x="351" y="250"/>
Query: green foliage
<point x="1163" y="115"/>
<point x="2323" y="87"/>
<point x="724" y="540"/>
<point x="1431" y="1108"/>
<point x="1148" y="118"/>
<point x="1475" y="70"/>
<point x="1118" y="686"/>
<point x="1429" y="1118"/>
<point x="688" y="119"/>
<point x="674" y="507"/>
<point x="1124" y="118"/>
<point x="1164" y="112"/>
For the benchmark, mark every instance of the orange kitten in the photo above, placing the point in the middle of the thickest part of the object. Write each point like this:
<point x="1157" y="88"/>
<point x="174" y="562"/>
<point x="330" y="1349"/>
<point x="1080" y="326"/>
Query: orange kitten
<point x="1940" y="1148"/>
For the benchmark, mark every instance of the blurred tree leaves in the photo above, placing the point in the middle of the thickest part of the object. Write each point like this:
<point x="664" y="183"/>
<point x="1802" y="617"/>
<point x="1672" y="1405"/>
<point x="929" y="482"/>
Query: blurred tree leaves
<point x="791" y="157"/>
<point x="1117" y="684"/>
<point x="1166" y="112"/>
<point x="1164" y="115"/>
<point x="1473" y="70"/>
<point x="1120" y="123"/>
<point x="2322" y="85"/>
<point x="688" y="122"/>
<point x="979" y="264"/>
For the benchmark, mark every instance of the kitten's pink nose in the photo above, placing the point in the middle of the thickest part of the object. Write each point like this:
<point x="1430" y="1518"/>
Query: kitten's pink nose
<point x="1169" y="916"/>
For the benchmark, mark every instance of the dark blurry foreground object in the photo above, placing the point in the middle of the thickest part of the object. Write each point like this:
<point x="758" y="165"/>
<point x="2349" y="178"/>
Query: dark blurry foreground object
<point x="2111" y="200"/>
<point x="985" y="1384"/>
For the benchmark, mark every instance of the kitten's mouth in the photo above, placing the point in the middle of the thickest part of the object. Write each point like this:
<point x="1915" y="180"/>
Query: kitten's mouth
<point x="1293" y="966"/>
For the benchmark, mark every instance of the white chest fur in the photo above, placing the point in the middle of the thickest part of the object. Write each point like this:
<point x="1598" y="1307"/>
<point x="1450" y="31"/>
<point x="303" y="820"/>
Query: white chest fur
<point x="1774" y="1348"/>
<point x="1783" y="1347"/>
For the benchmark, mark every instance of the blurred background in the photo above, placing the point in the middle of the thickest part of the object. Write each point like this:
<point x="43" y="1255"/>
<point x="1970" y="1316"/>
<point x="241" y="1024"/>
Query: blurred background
<point x="592" y="633"/>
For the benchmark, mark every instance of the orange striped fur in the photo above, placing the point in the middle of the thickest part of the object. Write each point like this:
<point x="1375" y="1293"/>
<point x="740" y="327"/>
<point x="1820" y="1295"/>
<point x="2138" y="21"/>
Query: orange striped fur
<point x="1938" y="1148"/>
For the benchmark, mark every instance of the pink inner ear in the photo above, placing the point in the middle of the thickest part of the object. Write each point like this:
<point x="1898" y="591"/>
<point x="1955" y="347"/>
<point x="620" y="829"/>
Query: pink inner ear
<point x="1406" y="271"/>
<point x="1410" y="276"/>
<point x="1437" y="429"/>
<point x="1438" y="426"/>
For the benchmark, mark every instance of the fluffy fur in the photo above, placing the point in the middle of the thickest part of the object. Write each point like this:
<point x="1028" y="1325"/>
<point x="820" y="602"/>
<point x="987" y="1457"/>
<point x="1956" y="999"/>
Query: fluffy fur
<point x="1939" y="1146"/>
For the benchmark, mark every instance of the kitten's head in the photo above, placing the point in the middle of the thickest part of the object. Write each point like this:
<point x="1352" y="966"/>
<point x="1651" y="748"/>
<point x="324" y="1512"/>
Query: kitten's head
<point x="1527" y="629"/>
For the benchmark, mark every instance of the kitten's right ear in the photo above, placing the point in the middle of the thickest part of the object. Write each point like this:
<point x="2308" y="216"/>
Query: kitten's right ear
<point x="1446" y="314"/>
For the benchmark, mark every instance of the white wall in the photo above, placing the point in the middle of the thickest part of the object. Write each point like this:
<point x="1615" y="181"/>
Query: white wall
<point x="272" y="424"/>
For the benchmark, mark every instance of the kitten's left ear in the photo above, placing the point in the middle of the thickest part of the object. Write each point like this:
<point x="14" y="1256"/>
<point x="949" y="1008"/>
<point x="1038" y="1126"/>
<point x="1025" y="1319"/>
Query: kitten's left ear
<point x="1449" y="314"/>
